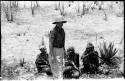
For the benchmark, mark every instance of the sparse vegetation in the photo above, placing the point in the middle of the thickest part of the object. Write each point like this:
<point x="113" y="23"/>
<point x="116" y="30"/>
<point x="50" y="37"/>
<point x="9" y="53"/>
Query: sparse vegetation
<point x="108" y="54"/>
<point x="14" y="70"/>
<point x="22" y="62"/>
<point x="10" y="9"/>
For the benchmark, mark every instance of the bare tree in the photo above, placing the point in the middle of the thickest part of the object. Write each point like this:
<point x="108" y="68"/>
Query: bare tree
<point x="37" y="4"/>
<point x="32" y="8"/>
<point x="62" y="9"/>
<point x="83" y="9"/>
<point x="24" y="4"/>
<point x="57" y="6"/>
<point x="105" y="17"/>
<point x="77" y="8"/>
<point x="17" y="4"/>
<point x="10" y="10"/>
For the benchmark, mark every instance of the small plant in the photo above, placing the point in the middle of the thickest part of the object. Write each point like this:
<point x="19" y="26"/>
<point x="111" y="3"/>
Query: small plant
<point x="108" y="54"/>
<point x="22" y="62"/>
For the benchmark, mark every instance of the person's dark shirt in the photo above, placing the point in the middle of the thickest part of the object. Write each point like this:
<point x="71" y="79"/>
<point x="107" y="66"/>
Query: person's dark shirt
<point x="57" y="36"/>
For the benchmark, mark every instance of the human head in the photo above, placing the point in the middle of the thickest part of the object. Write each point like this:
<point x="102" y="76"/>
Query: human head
<point x="43" y="50"/>
<point x="71" y="50"/>
<point x="90" y="47"/>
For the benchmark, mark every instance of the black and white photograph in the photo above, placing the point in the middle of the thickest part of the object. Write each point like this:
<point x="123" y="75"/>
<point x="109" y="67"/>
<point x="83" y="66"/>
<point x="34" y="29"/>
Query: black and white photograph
<point x="62" y="40"/>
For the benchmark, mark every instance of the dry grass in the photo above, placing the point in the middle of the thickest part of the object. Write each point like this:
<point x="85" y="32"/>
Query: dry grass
<point x="14" y="70"/>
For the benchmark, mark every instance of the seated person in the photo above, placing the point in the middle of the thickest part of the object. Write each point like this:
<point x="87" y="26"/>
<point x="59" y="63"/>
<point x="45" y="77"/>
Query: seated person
<point x="90" y="59"/>
<point x="42" y="62"/>
<point x="71" y="69"/>
<point x="73" y="56"/>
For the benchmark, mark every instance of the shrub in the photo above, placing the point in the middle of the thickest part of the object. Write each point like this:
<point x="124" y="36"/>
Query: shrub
<point x="22" y="62"/>
<point x="108" y="54"/>
<point x="8" y="71"/>
<point x="15" y="69"/>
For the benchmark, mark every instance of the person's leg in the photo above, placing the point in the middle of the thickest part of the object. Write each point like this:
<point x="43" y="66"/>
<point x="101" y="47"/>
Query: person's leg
<point x="61" y="56"/>
<point x="49" y="73"/>
<point x="57" y="65"/>
<point x="39" y="70"/>
<point x="75" y="74"/>
<point x="67" y="74"/>
<point x="54" y="64"/>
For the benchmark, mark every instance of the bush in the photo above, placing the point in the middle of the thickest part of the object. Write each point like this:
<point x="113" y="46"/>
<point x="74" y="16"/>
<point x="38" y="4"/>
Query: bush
<point x="108" y="54"/>
<point x="15" y="69"/>
<point x="8" y="71"/>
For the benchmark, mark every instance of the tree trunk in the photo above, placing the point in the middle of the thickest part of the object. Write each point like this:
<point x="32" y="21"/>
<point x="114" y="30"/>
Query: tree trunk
<point x="37" y="4"/>
<point x="32" y="9"/>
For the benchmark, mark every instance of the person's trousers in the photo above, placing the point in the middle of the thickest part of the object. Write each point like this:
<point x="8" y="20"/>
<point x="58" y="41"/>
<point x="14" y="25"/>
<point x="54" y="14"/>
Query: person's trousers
<point x="57" y="63"/>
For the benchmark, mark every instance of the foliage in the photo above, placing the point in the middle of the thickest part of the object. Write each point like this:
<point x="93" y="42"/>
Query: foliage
<point x="15" y="69"/>
<point x="108" y="54"/>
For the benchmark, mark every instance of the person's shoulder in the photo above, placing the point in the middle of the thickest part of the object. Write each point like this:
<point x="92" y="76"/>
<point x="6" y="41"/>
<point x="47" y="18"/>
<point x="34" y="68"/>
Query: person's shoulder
<point x="52" y="31"/>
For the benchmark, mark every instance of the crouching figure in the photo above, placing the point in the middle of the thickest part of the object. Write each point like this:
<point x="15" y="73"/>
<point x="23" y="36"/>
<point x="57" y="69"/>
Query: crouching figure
<point x="42" y="62"/>
<point x="90" y="60"/>
<point x="71" y="66"/>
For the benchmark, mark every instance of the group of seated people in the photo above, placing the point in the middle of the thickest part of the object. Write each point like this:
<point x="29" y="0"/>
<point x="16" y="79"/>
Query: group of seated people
<point x="89" y="58"/>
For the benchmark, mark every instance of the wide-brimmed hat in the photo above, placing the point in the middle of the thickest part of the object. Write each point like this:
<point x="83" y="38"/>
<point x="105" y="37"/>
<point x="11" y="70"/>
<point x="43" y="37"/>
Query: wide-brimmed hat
<point x="59" y="20"/>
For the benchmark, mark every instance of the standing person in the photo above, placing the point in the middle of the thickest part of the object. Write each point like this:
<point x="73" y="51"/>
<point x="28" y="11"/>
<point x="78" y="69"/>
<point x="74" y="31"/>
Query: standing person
<point x="57" y="48"/>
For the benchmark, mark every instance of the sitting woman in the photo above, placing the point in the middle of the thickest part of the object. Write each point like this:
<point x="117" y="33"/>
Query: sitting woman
<point x="71" y="68"/>
<point x="70" y="71"/>
<point x="42" y="62"/>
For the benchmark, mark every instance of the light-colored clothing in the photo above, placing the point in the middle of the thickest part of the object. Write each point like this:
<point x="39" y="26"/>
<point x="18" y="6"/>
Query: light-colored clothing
<point x="57" y="62"/>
